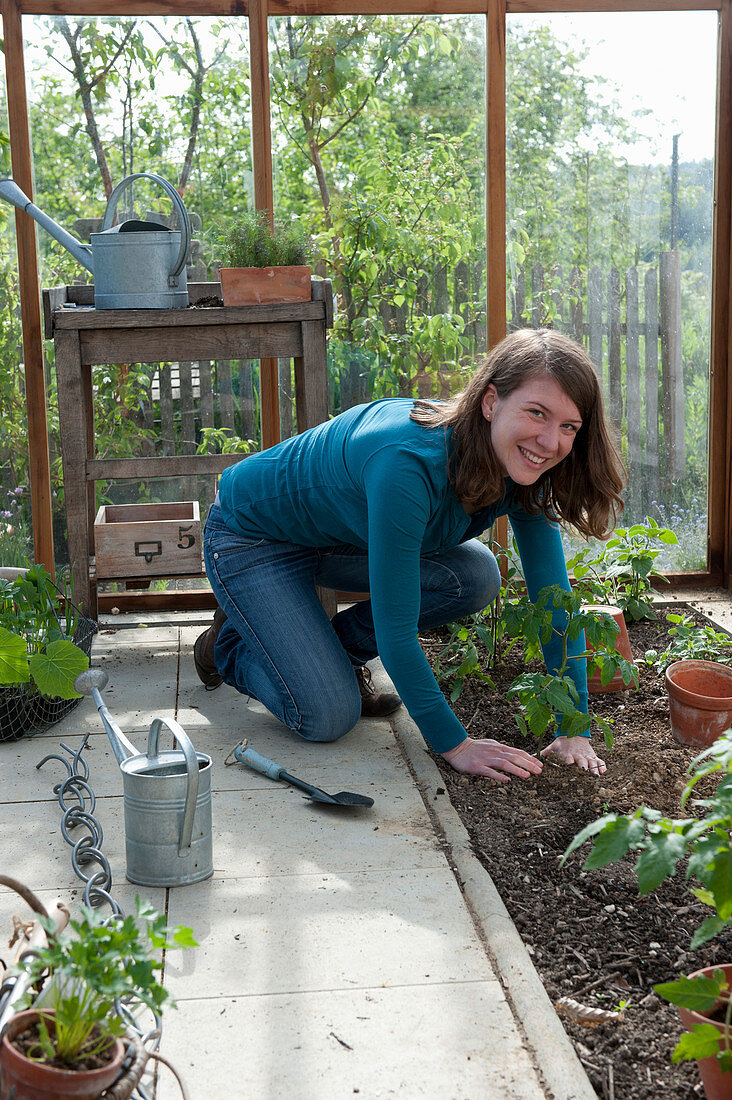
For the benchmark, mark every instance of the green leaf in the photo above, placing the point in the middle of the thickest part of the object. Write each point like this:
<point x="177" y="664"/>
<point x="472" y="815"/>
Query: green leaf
<point x="696" y="994"/>
<point x="589" y="831"/>
<point x="707" y="930"/>
<point x="720" y="882"/>
<point x="617" y="838"/>
<point x="13" y="658"/>
<point x="55" y="670"/>
<point x="701" y="1042"/>
<point x="659" y="860"/>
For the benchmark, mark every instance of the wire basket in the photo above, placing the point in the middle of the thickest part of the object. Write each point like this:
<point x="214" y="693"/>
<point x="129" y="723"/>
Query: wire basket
<point x="24" y="710"/>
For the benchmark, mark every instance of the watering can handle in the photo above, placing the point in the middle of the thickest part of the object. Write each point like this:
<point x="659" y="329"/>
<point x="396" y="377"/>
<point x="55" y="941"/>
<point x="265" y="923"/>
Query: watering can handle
<point x="185" y="222"/>
<point x="153" y="737"/>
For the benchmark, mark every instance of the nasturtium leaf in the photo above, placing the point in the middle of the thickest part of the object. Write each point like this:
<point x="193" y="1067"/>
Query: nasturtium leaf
<point x="13" y="658"/>
<point x="55" y="670"/>
<point x="701" y="1042"/>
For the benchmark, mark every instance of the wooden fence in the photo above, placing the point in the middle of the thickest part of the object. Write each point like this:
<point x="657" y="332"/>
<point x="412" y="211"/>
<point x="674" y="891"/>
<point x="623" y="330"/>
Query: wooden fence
<point x="629" y="325"/>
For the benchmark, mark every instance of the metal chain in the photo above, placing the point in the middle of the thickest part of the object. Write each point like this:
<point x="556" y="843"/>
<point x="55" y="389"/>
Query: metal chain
<point x="78" y="802"/>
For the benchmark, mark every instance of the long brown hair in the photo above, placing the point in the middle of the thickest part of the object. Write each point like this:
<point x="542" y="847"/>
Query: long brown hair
<point x="583" y="490"/>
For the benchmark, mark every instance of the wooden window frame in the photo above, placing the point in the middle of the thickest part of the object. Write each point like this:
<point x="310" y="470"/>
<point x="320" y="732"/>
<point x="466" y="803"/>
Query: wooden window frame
<point x="719" y="557"/>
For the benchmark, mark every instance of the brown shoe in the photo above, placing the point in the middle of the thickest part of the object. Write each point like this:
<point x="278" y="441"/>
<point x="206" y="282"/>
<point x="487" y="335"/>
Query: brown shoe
<point x="374" y="704"/>
<point x="203" y="653"/>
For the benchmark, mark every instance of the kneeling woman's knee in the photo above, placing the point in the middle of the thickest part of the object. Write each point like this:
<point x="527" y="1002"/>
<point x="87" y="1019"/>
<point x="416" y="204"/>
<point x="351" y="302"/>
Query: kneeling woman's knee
<point x="328" y="719"/>
<point x="480" y="577"/>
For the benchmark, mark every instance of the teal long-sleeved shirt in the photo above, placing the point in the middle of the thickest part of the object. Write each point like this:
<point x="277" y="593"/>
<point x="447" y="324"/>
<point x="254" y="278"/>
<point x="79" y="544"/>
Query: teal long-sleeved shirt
<point x="375" y="479"/>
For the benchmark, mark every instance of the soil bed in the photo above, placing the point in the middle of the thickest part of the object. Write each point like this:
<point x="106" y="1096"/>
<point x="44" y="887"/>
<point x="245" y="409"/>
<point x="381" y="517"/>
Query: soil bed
<point x="590" y="935"/>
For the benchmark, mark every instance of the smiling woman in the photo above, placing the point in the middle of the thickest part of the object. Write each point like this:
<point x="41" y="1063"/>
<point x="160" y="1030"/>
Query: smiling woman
<point x="390" y="498"/>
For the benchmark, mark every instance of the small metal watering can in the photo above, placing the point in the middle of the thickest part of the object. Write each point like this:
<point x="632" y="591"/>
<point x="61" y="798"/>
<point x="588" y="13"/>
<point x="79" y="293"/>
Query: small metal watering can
<point x="167" y="799"/>
<point x="136" y="265"/>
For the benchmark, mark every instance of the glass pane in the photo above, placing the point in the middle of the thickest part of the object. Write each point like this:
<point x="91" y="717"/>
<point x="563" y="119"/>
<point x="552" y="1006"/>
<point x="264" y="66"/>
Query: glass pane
<point x="609" y="217"/>
<point x="113" y="97"/>
<point x="378" y="132"/>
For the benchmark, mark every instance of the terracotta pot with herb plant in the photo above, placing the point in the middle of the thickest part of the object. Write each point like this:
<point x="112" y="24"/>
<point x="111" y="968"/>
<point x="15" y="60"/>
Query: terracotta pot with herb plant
<point x="44" y="645"/>
<point x="264" y="263"/>
<point x="69" y="1043"/>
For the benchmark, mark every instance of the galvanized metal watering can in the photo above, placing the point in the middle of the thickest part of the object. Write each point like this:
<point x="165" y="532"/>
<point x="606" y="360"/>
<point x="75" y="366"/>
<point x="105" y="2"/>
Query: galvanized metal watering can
<point x="167" y="799"/>
<point x="136" y="264"/>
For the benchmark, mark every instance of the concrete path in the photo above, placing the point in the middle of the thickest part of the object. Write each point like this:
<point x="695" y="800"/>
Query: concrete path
<point x="339" y="954"/>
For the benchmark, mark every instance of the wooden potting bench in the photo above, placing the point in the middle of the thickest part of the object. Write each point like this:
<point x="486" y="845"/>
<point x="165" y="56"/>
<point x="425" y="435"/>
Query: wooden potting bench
<point x="85" y="337"/>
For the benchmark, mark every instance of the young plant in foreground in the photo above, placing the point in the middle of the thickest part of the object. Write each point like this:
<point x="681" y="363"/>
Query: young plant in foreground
<point x="101" y="963"/>
<point x="37" y="623"/>
<point x="487" y="627"/>
<point x="661" y="841"/>
<point x="621" y="572"/>
<point x="460" y="647"/>
<point x="550" y="700"/>
<point x="703" y="994"/>
<point x="691" y="642"/>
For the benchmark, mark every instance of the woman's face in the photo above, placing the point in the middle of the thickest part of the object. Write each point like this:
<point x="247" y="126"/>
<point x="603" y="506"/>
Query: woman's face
<point x="532" y="429"/>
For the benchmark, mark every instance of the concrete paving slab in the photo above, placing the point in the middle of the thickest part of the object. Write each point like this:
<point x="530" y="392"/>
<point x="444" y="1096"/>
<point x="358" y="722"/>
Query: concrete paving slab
<point x="279" y="833"/>
<point x="413" y="1042"/>
<point x="21" y="779"/>
<point x="308" y="918"/>
<point x="313" y="932"/>
<point x="34" y="850"/>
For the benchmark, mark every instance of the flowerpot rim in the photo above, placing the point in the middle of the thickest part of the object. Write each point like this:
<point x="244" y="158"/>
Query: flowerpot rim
<point x="270" y="267"/>
<point x="608" y="608"/>
<point x="26" y="1019"/>
<point x="694" y="698"/>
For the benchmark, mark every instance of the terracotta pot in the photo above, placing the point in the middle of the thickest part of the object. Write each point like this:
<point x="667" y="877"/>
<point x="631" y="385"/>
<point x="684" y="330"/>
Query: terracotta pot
<point x="256" y="286"/>
<point x="717" y="1085"/>
<point x="700" y="695"/>
<point x="622" y="646"/>
<point x="36" y="1081"/>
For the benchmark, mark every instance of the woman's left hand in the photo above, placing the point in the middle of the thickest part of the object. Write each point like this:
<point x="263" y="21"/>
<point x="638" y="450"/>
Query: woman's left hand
<point x="576" y="750"/>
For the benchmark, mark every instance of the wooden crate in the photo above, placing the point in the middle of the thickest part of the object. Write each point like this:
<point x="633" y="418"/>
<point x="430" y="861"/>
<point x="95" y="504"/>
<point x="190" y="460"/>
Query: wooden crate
<point x="148" y="540"/>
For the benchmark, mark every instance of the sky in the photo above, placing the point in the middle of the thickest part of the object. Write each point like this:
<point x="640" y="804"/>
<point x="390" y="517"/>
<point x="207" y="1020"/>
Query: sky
<point x="665" y="61"/>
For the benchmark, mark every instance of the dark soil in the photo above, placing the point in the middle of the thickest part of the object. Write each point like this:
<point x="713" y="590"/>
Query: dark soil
<point x="591" y="936"/>
<point x="27" y="1043"/>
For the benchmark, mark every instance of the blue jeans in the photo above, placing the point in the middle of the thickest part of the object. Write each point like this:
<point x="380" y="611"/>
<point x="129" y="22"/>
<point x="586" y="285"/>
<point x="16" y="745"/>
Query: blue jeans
<point x="278" y="644"/>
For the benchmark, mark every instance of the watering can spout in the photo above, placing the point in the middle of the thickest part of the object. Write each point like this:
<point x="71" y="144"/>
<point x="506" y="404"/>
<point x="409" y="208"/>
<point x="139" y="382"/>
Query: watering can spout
<point x="91" y="682"/>
<point x="10" y="191"/>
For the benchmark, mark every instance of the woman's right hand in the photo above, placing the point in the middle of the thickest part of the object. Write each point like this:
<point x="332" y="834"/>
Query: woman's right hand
<point x="492" y="759"/>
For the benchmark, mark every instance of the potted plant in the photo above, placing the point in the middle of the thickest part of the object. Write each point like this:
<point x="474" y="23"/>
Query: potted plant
<point x="68" y="1044"/>
<point x="44" y="645"/>
<point x="263" y="262"/>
